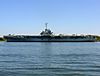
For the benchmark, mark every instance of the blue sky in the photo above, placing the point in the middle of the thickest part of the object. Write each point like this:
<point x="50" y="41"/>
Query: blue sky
<point x="63" y="16"/>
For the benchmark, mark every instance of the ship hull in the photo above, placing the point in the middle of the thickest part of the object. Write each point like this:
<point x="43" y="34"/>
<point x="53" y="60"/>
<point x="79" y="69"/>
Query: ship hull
<point x="49" y="39"/>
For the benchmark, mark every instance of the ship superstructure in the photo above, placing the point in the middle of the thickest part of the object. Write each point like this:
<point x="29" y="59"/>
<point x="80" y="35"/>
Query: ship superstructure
<point x="47" y="36"/>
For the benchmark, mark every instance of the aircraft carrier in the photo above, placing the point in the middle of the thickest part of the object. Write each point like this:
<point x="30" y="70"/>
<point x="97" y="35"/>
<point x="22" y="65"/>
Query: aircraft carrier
<point x="48" y="36"/>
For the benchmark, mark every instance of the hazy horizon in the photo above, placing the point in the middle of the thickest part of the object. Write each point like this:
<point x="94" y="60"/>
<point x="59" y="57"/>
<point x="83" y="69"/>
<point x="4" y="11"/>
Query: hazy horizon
<point x="63" y="16"/>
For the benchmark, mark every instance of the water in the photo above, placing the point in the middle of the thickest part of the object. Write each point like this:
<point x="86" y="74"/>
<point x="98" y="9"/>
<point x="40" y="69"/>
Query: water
<point x="49" y="59"/>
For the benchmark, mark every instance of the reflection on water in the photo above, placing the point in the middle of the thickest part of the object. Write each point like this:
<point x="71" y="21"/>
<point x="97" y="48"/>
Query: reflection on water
<point x="49" y="59"/>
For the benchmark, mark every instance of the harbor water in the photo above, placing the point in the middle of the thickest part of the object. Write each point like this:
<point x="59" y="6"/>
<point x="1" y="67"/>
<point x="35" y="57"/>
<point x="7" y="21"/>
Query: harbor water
<point x="49" y="59"/>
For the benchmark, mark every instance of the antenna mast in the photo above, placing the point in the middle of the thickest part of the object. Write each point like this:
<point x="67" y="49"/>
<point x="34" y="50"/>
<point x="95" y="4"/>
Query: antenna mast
<point x="46" y="25"/>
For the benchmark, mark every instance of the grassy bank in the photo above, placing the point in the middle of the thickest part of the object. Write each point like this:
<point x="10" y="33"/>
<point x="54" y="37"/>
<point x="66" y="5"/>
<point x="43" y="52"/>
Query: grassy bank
<point x="2" y="39"/>
<point x="98" y="38"/>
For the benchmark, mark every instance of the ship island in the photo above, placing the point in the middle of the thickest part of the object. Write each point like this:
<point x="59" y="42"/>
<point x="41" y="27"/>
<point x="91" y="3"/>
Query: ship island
<point x="48" y="36"/>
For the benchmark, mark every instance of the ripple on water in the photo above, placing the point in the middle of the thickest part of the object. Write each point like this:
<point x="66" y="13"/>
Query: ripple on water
<point x="49" y="59"/>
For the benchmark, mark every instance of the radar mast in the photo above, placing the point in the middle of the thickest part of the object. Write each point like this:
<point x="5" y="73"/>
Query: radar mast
<point x="46" y="25"/>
